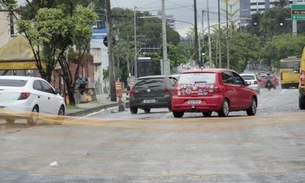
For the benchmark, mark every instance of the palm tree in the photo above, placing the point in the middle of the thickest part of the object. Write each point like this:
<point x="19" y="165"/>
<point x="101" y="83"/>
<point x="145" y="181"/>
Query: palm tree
<point x="280" y="3"/>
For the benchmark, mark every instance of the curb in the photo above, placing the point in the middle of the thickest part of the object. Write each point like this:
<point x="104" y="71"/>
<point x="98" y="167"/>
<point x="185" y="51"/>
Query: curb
<point x="94" y="109"/>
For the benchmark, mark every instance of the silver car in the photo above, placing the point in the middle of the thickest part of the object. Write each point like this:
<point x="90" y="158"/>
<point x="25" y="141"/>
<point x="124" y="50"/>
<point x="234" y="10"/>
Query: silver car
<point x="253" y="80"/>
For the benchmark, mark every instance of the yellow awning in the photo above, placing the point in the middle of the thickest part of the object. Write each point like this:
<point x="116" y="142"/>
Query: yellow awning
<point x="17" y="55"/>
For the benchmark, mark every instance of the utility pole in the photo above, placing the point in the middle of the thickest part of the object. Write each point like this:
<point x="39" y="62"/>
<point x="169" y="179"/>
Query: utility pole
<point x="110" y="51"/>
<point x="209" y="34"/>
<point x="135" y="44"/>
<point x="294" y="23"/>
<point x="196" y="56"/>
<point x="166" y="63"/>
<point x="201" y="57"/>
<point x="219" y="36"/>
<point x="228" y="47"/>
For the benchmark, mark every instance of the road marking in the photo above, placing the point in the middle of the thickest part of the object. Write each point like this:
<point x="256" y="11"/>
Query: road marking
<point x="283" y="91"/>
<point x="94" y="113"/>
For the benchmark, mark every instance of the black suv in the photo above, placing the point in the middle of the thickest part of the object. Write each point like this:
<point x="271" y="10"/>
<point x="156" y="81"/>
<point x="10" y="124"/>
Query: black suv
<point x="152" y="92"/>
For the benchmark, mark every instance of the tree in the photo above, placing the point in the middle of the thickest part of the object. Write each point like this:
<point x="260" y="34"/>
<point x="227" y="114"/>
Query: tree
<point x="282" y="47"/>
<point x="58" y="25"/>
<point x="82" y="19"/>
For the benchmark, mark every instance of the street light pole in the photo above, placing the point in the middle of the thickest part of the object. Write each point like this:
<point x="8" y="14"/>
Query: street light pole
<point x="135" y="45"/>
<point x="219" y="35"/>
<point x="196" y="33"/>
<point x="209" y="34"/>
<point x="166" y="63"/>
<point x="228" y="51"/>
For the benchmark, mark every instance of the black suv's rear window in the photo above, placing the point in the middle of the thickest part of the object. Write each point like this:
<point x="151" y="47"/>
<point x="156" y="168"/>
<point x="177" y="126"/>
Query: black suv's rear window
<point x="12" y="82"/>
<point x="150" y="82"/>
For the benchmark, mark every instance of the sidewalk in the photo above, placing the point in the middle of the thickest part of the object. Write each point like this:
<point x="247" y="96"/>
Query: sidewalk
<point x="103" y="102"/>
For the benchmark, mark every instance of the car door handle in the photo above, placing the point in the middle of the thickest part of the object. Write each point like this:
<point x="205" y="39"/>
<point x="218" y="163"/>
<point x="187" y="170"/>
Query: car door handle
<point x="49" y="98"/>
<point x="38" y="96"/>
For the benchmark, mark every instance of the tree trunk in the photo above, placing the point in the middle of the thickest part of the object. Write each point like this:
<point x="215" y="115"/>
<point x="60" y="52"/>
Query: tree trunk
<point x="71" y="95"/>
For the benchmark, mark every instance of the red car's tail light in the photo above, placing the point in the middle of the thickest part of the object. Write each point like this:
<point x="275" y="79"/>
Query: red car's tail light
<point x="166" y="91"/>
<point x="24" y="95"/>
<point x="131" y="93"/>
<point x="214" y="88"/>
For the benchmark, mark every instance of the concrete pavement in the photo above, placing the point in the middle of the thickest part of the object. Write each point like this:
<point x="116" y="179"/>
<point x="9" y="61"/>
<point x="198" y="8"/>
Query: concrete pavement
<point x="103" y="102"/>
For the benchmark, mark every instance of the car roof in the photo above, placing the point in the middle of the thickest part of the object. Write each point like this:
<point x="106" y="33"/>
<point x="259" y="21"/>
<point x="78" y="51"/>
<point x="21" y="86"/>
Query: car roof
<point x="152" y="76"/>
<point x="18" y="77"/>
<point x="245" y="74"/>
<point x="215" y="70"/>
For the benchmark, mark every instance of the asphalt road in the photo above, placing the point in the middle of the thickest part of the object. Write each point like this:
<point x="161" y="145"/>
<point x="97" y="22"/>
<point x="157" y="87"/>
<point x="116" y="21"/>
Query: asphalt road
<point x="155" y="147"/>
<point x="269" y="102"/>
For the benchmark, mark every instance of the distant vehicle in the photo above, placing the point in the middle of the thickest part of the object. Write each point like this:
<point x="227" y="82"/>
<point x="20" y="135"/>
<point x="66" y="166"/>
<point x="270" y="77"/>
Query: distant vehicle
<point x="300" y="70"/>
<point x="253" y="81"/>
<point x="30" y="95"/>
<point x="176" y="76"/>
<point x="212" y="90"/>
<point x="152" y="92"/>
<point x="289" y="78"/>
<point x="262" y="81"/>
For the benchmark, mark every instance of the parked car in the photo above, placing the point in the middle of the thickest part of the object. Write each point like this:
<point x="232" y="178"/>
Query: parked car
<point x="152" y="92"/>
<point x="253" y="81"/>
<point x="29" y="95"/>
<point x="212" y="90"/>
<point x="176" y="76"/>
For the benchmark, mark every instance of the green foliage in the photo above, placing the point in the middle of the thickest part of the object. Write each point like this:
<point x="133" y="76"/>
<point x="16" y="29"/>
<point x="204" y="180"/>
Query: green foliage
<point x="282" y="47"/>
<point x="8" y="4"/>
<point x="243" y="47"/>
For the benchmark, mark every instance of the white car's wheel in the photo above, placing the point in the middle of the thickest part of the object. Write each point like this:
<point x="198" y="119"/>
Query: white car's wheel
<point x="60" y="119"/>
<point x="34" y="116"/>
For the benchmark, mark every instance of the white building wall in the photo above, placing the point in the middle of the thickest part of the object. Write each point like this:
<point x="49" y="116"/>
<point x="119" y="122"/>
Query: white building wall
<point x="4" y="28"/>
<point x="100" y="53"/>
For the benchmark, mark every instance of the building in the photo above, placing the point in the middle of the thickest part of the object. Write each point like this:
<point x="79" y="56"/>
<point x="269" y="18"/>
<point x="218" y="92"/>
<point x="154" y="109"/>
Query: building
<point x="7" y="27"/>
<point x="100" y="56"/>
<point x="249" y="7"/>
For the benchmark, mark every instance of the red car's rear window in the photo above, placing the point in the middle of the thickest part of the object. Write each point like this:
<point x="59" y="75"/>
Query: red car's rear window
<point x="200" y="77"/>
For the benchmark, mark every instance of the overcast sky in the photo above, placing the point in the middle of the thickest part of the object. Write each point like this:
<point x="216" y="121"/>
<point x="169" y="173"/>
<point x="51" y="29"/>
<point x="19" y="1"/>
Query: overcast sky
<point x="181" y="10"/>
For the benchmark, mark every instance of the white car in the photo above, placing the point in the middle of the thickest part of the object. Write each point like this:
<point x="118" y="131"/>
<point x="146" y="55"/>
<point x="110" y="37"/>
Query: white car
<point x="252" y="80"/>
<point x="29" y="95"/>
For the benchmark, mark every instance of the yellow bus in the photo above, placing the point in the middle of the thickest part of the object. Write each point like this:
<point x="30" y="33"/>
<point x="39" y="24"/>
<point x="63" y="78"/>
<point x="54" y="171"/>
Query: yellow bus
<point x="289" y="78"/>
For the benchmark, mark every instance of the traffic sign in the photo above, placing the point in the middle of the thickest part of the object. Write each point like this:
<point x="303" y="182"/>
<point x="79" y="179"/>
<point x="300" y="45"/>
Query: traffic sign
<point x="105" y="41"/>
<point x="298" y="12"/>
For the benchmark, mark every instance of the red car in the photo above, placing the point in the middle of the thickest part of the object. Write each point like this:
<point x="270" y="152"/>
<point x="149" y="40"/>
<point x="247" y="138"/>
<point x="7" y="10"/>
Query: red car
<point x="212" y="90"/>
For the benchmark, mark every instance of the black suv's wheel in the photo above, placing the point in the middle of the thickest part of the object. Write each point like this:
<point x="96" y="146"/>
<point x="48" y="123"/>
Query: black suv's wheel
<point x="133" y="110"/>
<point x="225" y="109"/>
<point x="207" y="114"/>
<point x="34" y="116"/>
<point x="147" y="110"/>
<point x="251" y="111"/>
<point x="178" y="114"/>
